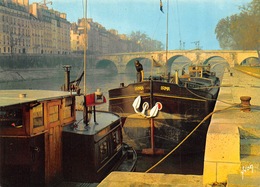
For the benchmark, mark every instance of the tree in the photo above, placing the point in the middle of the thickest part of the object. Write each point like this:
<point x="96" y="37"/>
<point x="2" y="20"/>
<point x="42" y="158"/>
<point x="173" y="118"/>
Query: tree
<point x="253" y="12"/>
<point x="223" y="33"/>
<point x="145" y="43"/>
<point x="241" y="31"/>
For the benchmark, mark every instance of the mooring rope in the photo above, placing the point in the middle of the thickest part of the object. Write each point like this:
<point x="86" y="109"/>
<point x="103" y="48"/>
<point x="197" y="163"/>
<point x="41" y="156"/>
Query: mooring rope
<point x="208" y="116"/>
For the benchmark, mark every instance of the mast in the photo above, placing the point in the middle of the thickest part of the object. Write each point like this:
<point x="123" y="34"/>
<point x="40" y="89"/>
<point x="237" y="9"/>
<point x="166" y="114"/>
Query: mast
<point x="167" y="27"/>
<point x="85" y="46"/>
<point x="85" y="110"/>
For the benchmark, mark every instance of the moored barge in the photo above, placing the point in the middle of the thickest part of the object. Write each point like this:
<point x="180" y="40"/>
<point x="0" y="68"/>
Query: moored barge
<point x="182" y="103"/>
<point x="41" y="145"/>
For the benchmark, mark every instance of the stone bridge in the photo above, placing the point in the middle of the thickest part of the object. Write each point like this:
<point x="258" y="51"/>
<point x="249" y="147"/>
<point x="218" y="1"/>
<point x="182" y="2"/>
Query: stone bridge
<point x="121" y="60"/>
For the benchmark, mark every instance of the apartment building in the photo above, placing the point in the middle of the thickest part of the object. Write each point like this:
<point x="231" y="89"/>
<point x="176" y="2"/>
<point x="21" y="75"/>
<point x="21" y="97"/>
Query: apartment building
<point x="32" y="29"/>
<point x="54" y="30"/>
<point x="36" y="29"/>
<point x="14" y="26"/>
<point x="99" y="40"/>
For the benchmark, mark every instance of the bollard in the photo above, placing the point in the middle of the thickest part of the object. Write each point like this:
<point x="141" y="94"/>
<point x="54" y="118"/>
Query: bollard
<point x="245" y="103"/>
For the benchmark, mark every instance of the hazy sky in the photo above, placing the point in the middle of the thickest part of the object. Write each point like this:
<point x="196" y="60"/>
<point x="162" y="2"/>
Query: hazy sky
<point x="189" y="20"/>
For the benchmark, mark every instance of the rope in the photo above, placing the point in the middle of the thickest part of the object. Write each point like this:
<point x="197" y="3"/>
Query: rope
<point x="208" y="116"/>
<point x="199" y="95"/>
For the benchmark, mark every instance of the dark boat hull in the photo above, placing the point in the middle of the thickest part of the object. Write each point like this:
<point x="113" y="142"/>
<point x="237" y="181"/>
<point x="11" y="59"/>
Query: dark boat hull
<point x="91" y="152"/>
<point x="168" y="133"/>
<point x="182" y="110"/>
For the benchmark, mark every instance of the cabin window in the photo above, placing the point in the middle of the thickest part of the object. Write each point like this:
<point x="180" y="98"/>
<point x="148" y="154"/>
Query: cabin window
<point x="53" y="113"/>
<point x="69" y="108"/>
<point x="116" y="140"/>
<point x="103" y="150"/>
<point x="38" y="116"/>
<point x="11" y="117"/>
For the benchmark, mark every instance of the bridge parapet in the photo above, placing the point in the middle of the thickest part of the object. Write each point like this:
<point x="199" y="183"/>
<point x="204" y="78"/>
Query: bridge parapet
<point x="232" y="57"/>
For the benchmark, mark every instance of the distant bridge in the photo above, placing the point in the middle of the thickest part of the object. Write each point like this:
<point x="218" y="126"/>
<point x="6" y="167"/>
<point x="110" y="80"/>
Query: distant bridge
<point x="122" y="60"/>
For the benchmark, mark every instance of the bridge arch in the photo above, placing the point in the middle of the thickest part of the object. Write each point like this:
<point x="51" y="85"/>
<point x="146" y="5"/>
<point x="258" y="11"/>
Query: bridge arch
<point x="218" y="64"/>
<point x="251" y="61"/>
<point x="107" y="65"/>
<point x="215" y="59"/>
<point x="177" y="62"/>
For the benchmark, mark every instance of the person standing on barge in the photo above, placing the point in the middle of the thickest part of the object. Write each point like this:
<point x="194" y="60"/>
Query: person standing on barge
<point x="140" y="71"/>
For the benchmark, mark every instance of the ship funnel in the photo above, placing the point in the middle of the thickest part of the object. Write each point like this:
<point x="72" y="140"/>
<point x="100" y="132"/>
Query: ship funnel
<point x="67" y="77"/>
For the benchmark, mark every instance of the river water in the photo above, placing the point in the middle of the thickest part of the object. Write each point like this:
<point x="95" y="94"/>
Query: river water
<point x="102" y="80"/>
<point x="176" y="163"/>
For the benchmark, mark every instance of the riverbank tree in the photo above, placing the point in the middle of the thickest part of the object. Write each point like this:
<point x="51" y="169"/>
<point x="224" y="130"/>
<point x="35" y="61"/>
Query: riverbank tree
<point x="241" y="31"/>
<point x="144" y="42"/>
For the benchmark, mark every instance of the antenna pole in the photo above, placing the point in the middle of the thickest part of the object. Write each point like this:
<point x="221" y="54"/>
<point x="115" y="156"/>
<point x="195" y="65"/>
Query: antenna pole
<point x="85" y="47"/>
<point x="167" y="27"/>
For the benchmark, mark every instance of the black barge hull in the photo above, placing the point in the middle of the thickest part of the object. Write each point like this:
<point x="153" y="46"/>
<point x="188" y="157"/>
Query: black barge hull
<point x="91" y="152"/>
<point x="182" y="110"/>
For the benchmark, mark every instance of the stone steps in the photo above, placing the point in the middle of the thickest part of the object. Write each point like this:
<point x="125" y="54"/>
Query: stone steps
<point x="249" y="175"/>
<point x="237" y="180"/>
<point x="250" y="165"/>
<point x="249" y="131"/>
<point x="250" y="146"/>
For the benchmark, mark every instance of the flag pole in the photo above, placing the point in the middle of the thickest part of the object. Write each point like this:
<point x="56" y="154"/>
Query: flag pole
<point x="85" y="110"/>
<point x="167" y="27"/>
<point x="85" y="47"/>
<point x="152" y="68"/>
